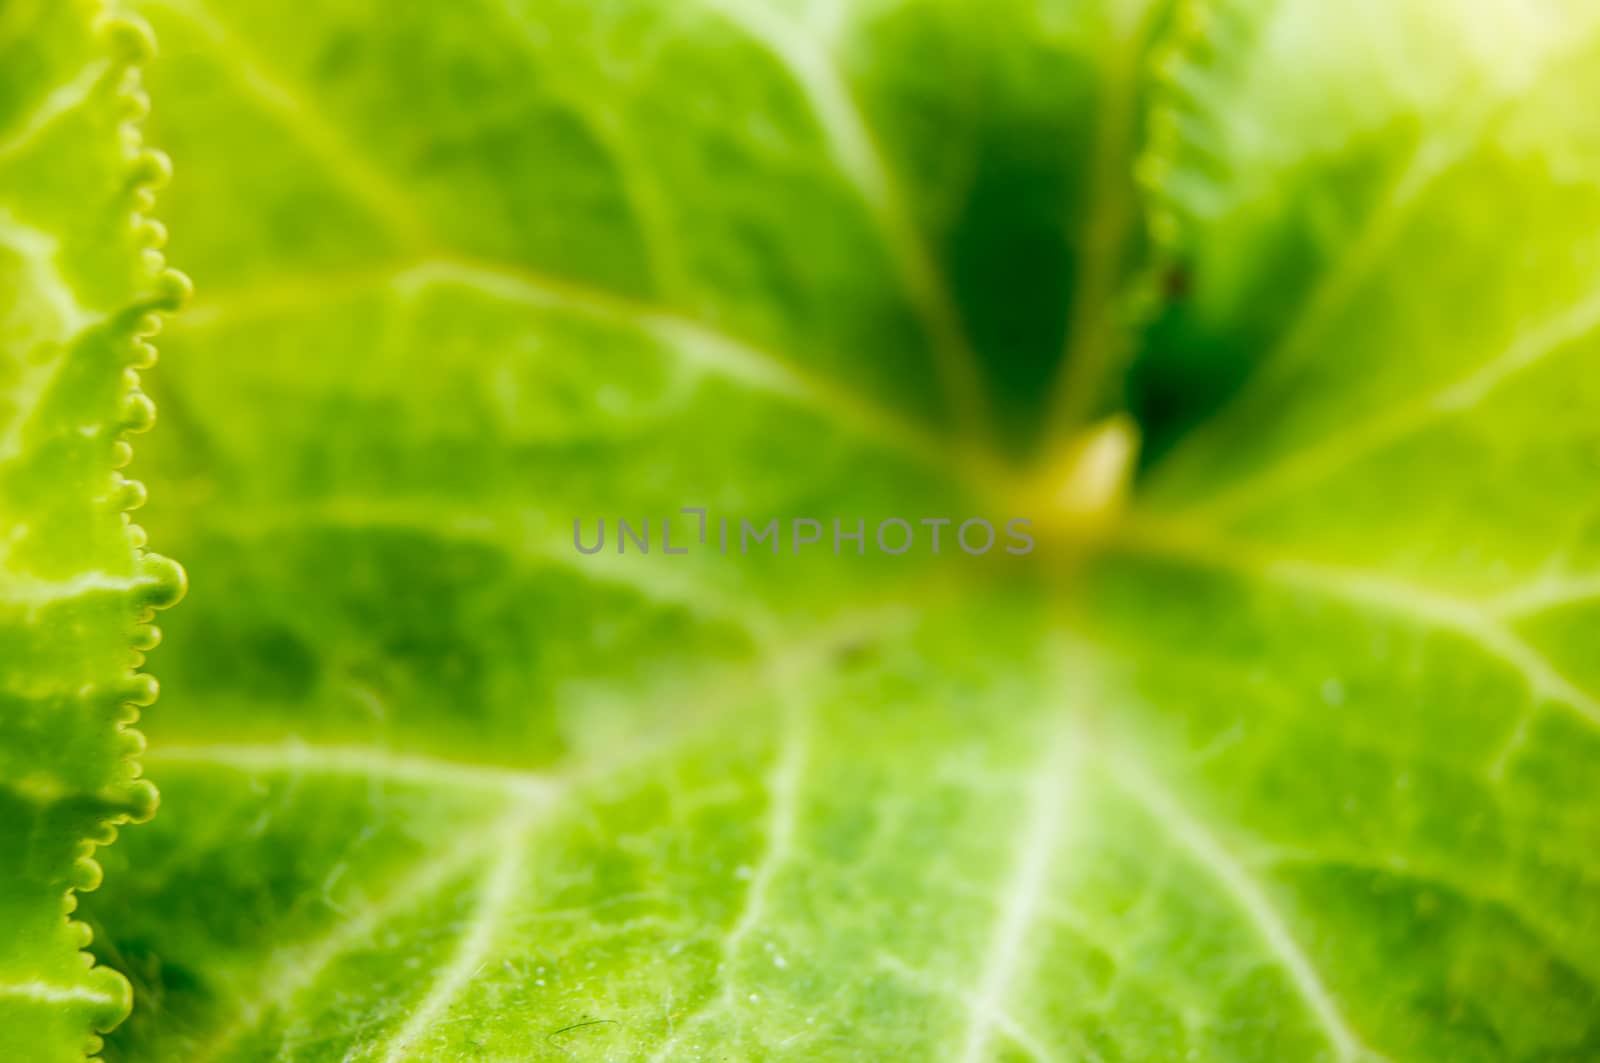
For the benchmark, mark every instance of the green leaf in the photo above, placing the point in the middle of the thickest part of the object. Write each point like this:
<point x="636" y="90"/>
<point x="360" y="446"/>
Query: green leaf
<point x="1295" y="761"/>
<point x="80" y="282"/>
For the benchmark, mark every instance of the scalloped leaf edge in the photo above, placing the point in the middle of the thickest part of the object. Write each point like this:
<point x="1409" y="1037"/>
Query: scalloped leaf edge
<point x="128" y="44"/>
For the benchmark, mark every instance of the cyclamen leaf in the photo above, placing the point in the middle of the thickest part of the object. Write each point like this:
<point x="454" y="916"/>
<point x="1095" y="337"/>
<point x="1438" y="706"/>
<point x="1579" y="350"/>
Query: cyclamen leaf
<point x="1290" y="767"/>
<point x="80" y="282"/>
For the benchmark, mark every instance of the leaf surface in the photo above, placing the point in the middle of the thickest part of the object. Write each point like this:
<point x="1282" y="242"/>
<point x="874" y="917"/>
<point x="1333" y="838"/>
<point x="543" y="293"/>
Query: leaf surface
<point x="1297" y="765"/>
<point x="79" y="283"/>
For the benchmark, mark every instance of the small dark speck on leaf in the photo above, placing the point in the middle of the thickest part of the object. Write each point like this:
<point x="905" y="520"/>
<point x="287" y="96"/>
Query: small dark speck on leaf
<point x="1176" y="283"/>
<point x="853" y="653"/>
<point x="578" y="1026"/>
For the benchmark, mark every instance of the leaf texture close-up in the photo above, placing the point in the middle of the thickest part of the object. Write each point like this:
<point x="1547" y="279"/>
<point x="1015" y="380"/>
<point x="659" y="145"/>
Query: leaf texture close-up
<point x="80" y="285"/>
<point x="1274" y="325"/>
